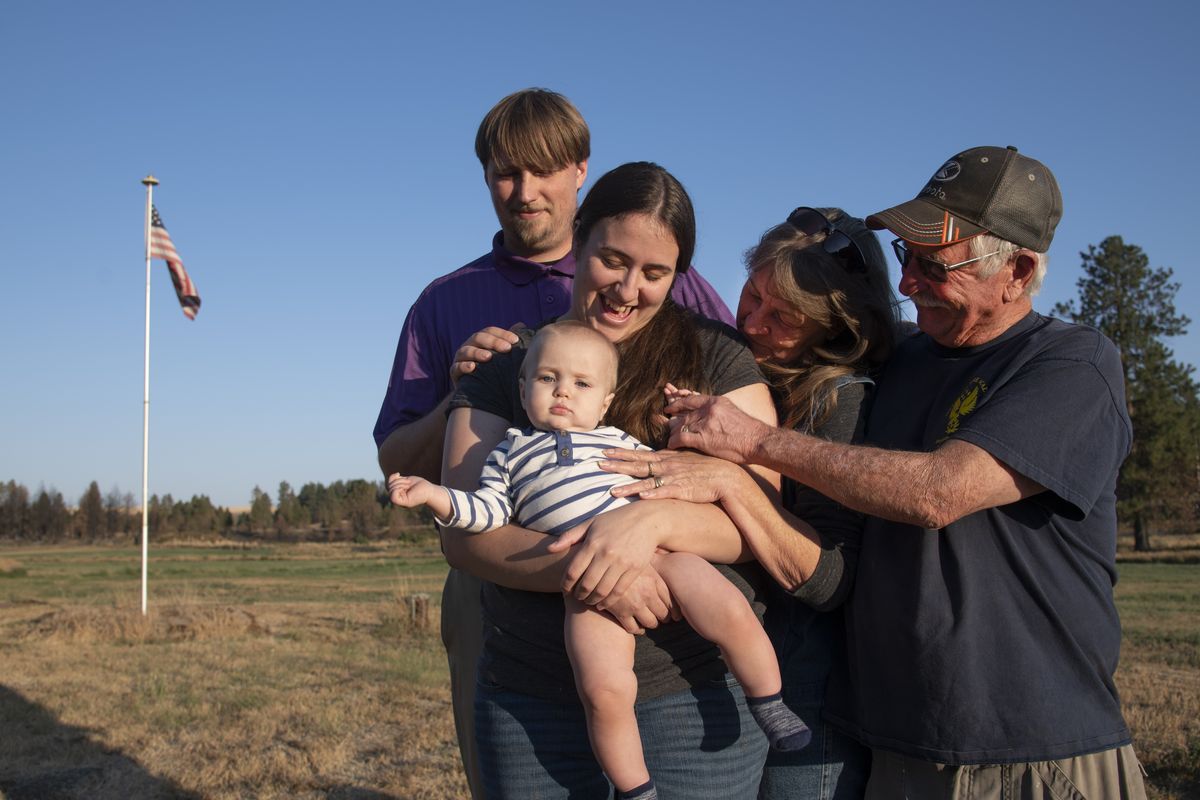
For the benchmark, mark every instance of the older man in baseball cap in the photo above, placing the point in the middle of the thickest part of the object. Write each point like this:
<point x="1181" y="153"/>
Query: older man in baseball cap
<point x="982" y="636"/>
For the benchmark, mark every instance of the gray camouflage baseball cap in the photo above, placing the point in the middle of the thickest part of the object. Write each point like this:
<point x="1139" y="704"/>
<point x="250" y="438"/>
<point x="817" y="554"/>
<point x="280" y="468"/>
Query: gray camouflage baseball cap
<point x="992" y="190"/>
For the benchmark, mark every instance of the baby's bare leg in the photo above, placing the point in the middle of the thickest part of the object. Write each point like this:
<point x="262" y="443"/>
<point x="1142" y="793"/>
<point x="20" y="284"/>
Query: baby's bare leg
<point x="601" y="653"/>
<point x="720" y="613"/>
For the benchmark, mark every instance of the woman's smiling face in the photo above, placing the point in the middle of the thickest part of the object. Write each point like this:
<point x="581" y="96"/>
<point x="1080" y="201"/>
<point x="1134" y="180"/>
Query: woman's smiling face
<point x="623" y="273"/>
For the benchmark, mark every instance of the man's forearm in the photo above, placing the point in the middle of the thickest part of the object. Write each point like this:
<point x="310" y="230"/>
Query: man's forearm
<point x="416" y="448"/>
<point x="892" y="484"/>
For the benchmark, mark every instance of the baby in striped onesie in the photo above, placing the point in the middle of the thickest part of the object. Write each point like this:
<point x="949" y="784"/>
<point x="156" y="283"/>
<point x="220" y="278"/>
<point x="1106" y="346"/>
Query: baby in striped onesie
<point x="546" y="478"/>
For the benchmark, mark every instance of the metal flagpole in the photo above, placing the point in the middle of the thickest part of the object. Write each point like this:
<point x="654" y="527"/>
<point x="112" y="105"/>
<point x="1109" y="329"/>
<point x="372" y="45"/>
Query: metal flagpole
<point x="150" y="183"/>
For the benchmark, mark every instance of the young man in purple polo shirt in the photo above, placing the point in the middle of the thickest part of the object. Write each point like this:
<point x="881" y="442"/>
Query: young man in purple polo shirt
<point x="534" y="147"/>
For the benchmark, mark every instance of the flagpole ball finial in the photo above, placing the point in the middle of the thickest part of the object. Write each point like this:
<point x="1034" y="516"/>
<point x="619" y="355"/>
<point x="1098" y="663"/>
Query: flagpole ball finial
<point x="150" y="180"/>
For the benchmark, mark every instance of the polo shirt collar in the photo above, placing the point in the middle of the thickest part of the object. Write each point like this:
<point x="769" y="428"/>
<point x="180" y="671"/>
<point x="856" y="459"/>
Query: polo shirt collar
<point x="521" y="271"/>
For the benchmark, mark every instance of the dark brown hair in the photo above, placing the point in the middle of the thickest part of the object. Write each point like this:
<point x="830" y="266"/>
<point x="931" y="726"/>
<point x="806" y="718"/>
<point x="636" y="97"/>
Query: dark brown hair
<point x="667" y="348"/>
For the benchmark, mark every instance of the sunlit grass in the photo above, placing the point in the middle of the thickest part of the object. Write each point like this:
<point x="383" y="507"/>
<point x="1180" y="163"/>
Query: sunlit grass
<point x="299" y="671"/>
<point x="1159" y="676"/>
<point x="278" y="671"/>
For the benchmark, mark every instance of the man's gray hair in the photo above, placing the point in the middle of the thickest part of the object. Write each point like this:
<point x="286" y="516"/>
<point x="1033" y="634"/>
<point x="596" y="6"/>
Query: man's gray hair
<point x="986" y="243"/>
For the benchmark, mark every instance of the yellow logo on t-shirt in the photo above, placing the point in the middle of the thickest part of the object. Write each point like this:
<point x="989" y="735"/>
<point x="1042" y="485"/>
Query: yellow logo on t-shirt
<point x="965" y="404"/>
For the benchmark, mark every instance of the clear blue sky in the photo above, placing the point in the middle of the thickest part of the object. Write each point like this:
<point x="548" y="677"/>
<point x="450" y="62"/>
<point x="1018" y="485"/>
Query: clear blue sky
<point x="317" y="171"/>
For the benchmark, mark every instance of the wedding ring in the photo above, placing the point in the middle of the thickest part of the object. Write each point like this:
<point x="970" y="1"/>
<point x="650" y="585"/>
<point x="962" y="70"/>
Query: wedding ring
<point x="685" y="429"/>
<point x="658" y="482"/>
<point x="650" y="469"/>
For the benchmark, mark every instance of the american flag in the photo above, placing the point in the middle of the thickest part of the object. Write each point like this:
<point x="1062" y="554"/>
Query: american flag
<point x="162" y="247"/>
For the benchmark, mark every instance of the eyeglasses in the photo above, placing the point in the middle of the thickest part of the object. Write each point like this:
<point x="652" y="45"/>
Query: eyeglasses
<point x="809" y="221"/>
<point x="934" y="271"/>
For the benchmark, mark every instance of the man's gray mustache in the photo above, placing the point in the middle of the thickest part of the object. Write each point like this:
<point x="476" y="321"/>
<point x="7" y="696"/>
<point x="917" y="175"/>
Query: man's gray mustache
<point x="927" y="302"/>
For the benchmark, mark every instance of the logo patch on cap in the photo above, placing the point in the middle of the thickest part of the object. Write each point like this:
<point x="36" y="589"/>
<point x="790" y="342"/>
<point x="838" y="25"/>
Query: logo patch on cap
<point x="948" y="172"/>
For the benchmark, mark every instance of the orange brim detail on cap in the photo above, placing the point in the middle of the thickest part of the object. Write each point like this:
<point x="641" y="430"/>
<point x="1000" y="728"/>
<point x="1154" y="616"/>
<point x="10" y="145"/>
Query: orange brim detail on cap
<point x="921" y="222"/>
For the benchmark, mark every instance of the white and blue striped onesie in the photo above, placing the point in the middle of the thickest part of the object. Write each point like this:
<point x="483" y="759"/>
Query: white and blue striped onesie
<point x="546" y="481"/>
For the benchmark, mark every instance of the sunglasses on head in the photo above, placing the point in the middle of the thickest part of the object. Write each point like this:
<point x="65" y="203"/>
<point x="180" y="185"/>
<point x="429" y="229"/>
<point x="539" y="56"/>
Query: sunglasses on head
<point x="809" y="221"/>
<point x="934" y="271"/>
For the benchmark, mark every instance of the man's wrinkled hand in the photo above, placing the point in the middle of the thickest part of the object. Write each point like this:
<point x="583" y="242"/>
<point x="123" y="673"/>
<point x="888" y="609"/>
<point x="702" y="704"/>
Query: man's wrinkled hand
<point x="716" y="426"/>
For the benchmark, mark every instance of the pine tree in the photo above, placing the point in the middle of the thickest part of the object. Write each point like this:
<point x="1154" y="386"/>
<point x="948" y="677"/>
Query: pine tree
<point x="168" y="516"/>
<point x="41" y="515"/>
<point x="363" y="506"/>
<point x="260" y="510"/>
<point x="113" y="519"/>
<point x="51" y="519"/>
<point x="201" y="516"/>
<point x="14" y="509"/>
<point x="91" y="512"/>
<point x="132" y="523"/>
<point x="1134" y="305"/>
<point x="288" y="513"/>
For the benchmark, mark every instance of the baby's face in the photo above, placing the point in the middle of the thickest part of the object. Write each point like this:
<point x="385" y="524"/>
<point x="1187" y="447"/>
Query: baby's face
<point x="567" y="388"/>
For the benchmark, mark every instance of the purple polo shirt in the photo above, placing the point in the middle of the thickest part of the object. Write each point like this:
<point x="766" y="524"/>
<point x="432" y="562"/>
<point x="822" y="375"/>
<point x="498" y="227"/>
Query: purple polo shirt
<point x="498" y="289"/>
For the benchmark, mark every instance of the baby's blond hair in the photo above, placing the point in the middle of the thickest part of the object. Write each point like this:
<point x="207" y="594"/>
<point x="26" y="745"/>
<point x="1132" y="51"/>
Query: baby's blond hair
<point x="578" y="330"/>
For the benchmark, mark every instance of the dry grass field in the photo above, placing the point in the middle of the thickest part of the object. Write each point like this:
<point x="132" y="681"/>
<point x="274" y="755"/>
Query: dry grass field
<point x="1159" y="675"/>
<point x="297" y="671"/>
<point x="272" y="672"/>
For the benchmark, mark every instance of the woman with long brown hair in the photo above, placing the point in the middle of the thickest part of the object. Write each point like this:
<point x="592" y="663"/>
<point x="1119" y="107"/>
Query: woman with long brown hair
<point x="635" y="232"/>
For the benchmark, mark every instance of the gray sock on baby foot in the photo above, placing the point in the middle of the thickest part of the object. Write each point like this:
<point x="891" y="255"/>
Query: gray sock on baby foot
<point x="784" y="729"/>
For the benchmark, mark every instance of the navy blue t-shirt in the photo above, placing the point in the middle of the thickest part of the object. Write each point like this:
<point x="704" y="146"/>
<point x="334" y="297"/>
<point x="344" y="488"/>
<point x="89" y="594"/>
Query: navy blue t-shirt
<point x="995" y="639"/>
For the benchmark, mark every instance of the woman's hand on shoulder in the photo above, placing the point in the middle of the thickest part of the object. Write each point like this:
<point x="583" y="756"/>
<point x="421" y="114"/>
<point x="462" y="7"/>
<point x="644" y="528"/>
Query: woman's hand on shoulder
<point x="479" y="348"/>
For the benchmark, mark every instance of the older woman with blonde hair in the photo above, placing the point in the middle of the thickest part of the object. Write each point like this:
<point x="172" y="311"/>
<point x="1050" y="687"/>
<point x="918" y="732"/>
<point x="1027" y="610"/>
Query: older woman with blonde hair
<point x="818" y="311"/>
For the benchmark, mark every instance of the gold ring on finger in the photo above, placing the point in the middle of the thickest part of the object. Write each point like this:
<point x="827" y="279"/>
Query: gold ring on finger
<point x="658" y="482"/>
<point x="649" y="469"/>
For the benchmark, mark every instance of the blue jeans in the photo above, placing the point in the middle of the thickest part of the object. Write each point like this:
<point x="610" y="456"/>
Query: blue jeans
<point x="832" y="767"/>
<point x="700" y="744"/>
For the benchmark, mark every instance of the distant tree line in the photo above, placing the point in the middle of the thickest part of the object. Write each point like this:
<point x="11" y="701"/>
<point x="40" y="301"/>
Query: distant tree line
<point x="345" y="510"/>
<point x="1132" y="303"/>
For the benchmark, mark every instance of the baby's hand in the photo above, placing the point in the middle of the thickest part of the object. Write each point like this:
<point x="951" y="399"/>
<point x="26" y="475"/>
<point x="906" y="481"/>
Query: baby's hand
<point x="408" y="491"/>
<point x="673" y="393"/>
